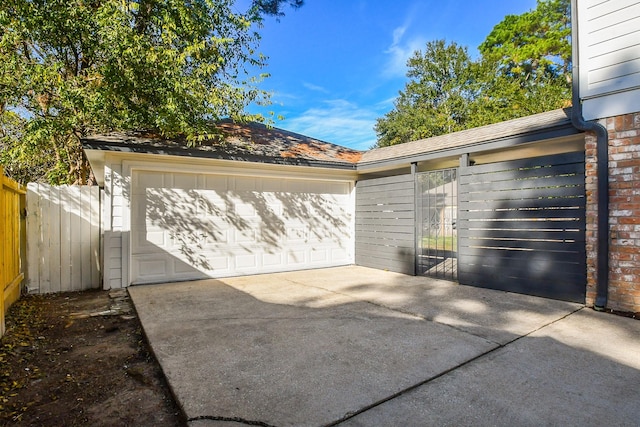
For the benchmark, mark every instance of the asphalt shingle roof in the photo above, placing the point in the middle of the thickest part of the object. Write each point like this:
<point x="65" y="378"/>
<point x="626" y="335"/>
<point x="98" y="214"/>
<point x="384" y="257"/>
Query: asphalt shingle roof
<point x="510" y="128"/>
<point x="249" y="141"/>
<point x="257" y="142"/>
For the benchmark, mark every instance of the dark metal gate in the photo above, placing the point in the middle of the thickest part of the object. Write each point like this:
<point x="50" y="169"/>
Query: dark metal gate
<point x="437" y="207"/>
<point x="521" y="226"/>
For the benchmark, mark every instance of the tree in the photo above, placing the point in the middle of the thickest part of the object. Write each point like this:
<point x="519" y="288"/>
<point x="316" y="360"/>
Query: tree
<point x="533" y="46"/>
<point x="504" y="97"/>
<point x="274" y="7"/>
<point x="72" y="67"/>
<point x="525" y="68"/>
<point x="529" y="63"/>
<point x="436" y="99"/>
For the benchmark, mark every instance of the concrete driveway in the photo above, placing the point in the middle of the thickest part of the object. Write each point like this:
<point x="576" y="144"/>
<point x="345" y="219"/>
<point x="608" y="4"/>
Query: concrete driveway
<point x="353" y="346"/>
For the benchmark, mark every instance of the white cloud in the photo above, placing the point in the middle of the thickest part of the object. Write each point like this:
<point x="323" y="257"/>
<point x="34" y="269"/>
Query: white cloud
<point x="397" y="35"/>
<point x="386" y="104"/>
<point x="399" y="53"/>
<point x="403" y="44"/>
<point x="314" y="88"/>
<point x="337" y="121"/>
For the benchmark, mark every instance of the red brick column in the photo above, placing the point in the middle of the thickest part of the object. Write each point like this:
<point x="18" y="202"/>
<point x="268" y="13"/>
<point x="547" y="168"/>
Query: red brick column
<point x="591" y="186"/>
<point x="624" y="213"/>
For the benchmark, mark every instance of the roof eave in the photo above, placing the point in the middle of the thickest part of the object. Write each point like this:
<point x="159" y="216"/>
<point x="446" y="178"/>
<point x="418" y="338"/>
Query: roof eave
<point x="110" y="147"/>
<point x="560" y="130"/>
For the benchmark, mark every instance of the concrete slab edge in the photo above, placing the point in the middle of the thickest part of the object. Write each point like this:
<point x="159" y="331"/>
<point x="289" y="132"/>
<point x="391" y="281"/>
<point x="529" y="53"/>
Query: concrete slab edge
<point x="183" y="414"/>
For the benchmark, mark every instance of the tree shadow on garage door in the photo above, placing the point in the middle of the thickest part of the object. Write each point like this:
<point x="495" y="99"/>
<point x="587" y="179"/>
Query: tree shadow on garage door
<point x="199" y="226"/>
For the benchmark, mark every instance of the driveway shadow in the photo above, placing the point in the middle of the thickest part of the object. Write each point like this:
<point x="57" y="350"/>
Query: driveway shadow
<point x="366" y="347"/>
<point x="228" y="355"/>
<point x="560" y="375"/>
<point x="498" y="316"/>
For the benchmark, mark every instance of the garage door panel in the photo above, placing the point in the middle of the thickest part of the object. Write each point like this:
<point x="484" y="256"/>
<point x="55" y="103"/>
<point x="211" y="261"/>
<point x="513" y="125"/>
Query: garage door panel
<point x="208" y="203"/>
<point x="296" y="257"/>
<point x="339" y="253"/>
<point x="215" y="183"/>
<point x="201" y="225"/>
<point x="272" y="185"/>
<point x="246" y="236"/>
<point x="216" y="262"/>
<point x="319" y="255"/>
<point x="151" y="239"/>
<point x="296" y="235"/>
<point x="272" y="260"/>
<point x="246" y="184"/>
<point x="152" y="266"/>
<point x="212" y="237"/>
<point x="144" y="180"/>
<point x="158" y="267"/>
<point x="246" y="261"/>
<point x="244" y="210"/>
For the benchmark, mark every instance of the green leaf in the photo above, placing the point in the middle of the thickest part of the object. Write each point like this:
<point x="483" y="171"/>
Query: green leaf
<point x="68" y="68"/>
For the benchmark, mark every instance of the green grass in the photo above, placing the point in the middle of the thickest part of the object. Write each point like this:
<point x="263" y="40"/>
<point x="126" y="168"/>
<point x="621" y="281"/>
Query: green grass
<point x="446" y="243"/>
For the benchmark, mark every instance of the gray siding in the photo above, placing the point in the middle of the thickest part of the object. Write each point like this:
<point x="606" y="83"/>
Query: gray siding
<point x="609" y="49"/>
<point x="385" y="223"/>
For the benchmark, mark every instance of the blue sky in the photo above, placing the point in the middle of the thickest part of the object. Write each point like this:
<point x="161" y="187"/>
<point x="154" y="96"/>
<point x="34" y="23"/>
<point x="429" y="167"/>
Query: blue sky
<point x="337" y="65"/>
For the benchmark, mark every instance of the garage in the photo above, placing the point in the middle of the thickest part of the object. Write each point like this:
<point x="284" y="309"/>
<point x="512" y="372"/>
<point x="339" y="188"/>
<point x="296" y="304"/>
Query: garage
<point x="260" y="200"/>
<point x="194" y="225"/>
<point x="267" y="200"/>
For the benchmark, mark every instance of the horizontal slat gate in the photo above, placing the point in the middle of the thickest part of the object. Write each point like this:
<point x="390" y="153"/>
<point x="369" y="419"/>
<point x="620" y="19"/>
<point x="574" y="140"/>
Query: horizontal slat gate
<point x="521" y="226"/>
<point x="385" y="223"/>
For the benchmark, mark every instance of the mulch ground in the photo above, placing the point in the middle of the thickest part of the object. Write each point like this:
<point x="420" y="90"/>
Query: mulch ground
<point x="78" y="359"/>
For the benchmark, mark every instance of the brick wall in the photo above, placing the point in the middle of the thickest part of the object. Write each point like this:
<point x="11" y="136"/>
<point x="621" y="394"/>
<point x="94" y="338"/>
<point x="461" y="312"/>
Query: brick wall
<point x="624" y="213"/>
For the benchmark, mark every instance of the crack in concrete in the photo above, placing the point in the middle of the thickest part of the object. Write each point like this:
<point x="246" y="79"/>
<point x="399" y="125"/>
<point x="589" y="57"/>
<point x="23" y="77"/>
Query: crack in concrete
<point x="393" y="396"/>
<point x="230" y="419"/>
<point x="442" y="374"/>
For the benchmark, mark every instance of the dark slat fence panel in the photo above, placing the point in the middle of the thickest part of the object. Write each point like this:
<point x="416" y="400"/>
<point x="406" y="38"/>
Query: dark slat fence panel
<point x="521" y="226"/>
<point x="385" y="223"/>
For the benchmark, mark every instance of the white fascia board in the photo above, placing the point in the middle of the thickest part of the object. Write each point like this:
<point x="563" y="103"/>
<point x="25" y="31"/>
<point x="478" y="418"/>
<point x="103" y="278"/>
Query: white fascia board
<point x="155" y="162"/>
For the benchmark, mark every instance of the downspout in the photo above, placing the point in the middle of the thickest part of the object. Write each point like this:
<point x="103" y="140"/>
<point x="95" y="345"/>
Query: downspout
<point x="602" y="278"/>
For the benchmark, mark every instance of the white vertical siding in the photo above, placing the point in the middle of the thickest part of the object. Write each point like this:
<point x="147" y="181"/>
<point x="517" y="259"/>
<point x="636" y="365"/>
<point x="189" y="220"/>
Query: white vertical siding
<point x="63" y="238"/>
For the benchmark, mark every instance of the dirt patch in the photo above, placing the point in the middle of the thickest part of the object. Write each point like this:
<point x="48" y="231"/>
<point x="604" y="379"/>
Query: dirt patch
<point x="80" y="359"/>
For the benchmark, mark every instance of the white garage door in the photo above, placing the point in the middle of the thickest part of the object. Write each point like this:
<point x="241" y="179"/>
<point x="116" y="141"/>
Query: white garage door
<point x="189" y="226"/>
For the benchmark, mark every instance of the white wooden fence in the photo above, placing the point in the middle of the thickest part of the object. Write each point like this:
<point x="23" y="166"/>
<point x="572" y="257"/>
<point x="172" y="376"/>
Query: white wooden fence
<point x="63" y="238"/>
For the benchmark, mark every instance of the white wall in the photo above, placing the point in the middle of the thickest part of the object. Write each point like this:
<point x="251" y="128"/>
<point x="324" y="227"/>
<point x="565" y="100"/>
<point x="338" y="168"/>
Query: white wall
<point x="112" y="226"/>
<point x="609" y="50"/>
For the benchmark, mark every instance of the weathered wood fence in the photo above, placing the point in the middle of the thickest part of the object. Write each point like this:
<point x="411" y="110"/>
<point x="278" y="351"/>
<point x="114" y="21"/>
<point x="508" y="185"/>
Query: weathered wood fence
<point x="63" y="238"/>
<point x="12" y="243"/>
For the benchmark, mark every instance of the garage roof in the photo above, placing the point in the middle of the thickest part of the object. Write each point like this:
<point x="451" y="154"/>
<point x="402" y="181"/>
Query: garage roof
<point x="256" y="142"/>
<point x="466" y="138"/>
<point x="244" y="142"/>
